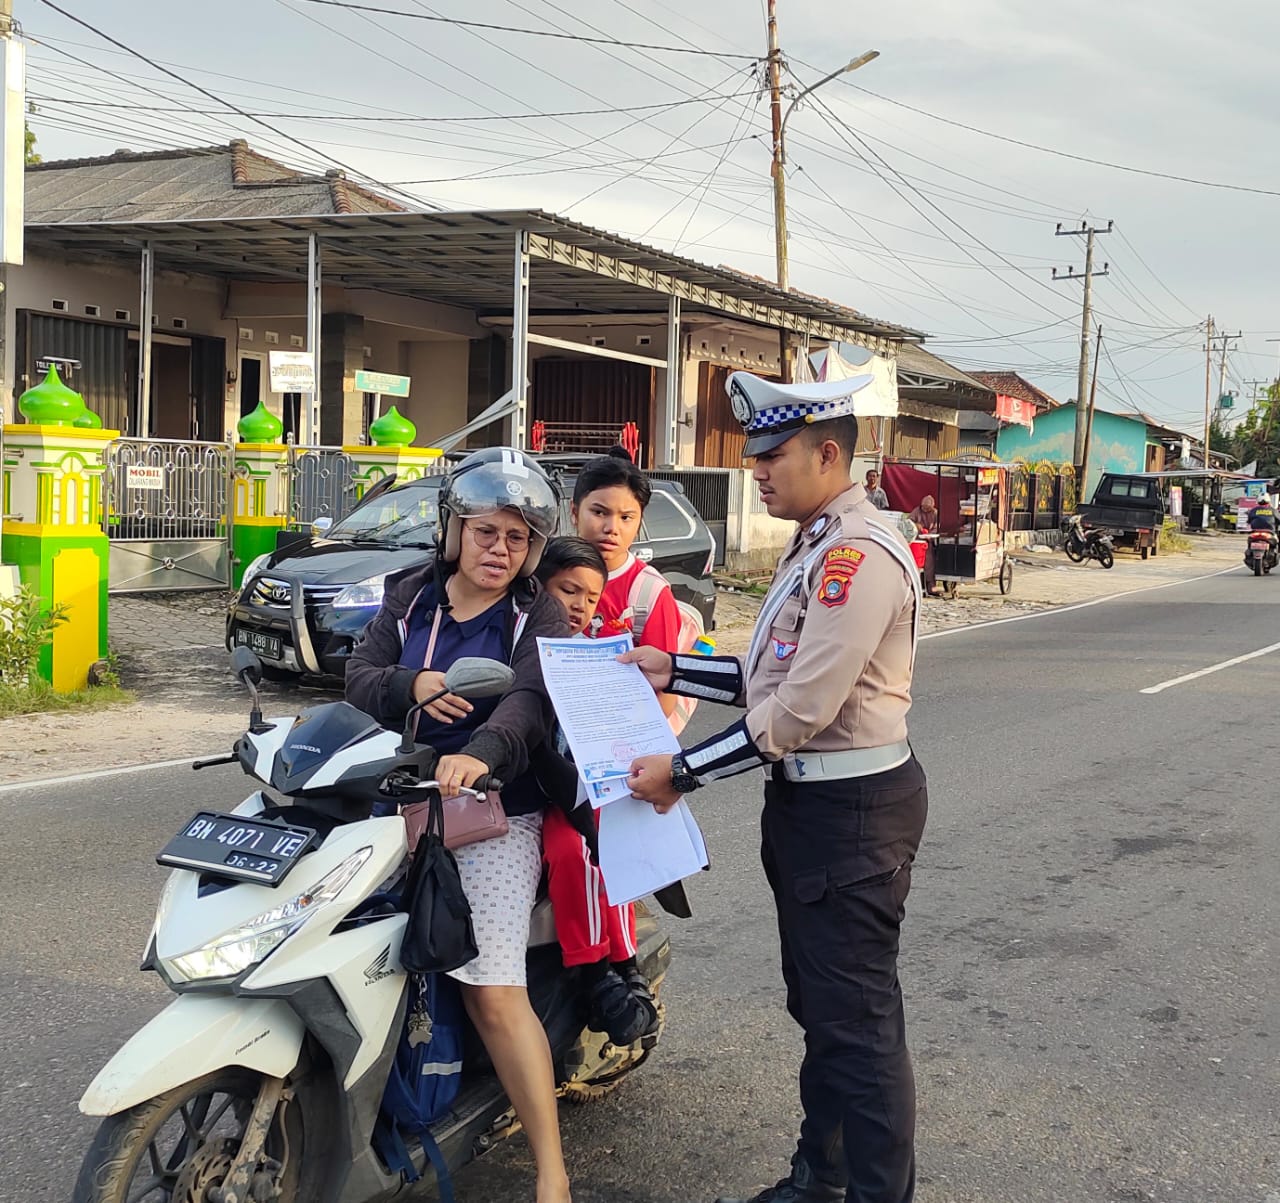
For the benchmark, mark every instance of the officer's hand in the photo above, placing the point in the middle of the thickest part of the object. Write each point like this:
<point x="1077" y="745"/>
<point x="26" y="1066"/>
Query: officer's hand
<point x="654" y="663"/>
<point x="650" y="778"/>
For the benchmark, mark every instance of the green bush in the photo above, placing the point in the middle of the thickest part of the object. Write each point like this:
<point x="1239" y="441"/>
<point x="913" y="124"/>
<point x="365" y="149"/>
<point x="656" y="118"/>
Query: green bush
<point x="26" y="628"/>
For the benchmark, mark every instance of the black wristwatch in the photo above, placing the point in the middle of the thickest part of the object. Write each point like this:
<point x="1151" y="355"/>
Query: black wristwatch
<point x="682" y="781"/>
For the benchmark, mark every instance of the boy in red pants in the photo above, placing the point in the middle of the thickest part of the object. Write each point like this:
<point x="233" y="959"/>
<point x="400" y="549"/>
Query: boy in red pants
<point x="609" y="497"/>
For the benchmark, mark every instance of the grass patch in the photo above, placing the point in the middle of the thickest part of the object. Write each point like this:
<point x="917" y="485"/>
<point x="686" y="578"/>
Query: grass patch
<point x="40" y="698"/>
<point x="1172" y="539"/>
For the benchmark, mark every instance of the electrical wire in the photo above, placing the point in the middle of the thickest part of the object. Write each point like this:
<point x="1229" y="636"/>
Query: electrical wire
<point x="857" y="138"/>
<point x="155" y="66"/>
<point x="539" y="33"/>
<point x="405" y="119"/>
<point x="1062" y="154"/>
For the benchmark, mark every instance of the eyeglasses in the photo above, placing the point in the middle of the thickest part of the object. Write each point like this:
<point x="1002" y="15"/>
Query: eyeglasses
<point x="486" y="536"/>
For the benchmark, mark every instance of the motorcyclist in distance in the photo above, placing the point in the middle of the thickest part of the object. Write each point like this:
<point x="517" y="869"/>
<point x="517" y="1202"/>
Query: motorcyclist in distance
<point x="1263" y="517"/>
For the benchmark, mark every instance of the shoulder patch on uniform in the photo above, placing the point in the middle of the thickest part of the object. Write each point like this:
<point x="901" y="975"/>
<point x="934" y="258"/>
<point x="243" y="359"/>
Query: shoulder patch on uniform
<point x="839" y="567"/>
<point x="843" y="559"/>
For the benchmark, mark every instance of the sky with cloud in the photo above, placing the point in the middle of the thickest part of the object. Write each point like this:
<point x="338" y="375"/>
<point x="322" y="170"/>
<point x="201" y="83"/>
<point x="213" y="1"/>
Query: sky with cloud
<point x="902" y="202"/>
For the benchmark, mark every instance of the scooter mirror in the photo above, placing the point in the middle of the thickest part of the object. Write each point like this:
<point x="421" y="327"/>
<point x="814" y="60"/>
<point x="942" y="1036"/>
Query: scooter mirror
<point x="246" y="665"/>
<point x="476" y="677"/>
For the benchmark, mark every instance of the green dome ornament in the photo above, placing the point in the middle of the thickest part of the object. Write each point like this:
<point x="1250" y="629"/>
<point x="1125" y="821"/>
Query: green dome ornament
<point x="393" y="429"/>
<point x="88" y="421"/>
<point x="260" y="426"/>
<point x="52" y="403"/>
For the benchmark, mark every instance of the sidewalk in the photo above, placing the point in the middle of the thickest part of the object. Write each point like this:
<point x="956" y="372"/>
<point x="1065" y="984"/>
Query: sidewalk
<point x="171" y="653"/>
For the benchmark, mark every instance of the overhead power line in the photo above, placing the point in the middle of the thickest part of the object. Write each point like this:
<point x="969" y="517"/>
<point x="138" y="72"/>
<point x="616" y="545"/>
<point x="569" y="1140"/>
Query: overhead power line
<point x="155" y="66"/>
<point x="1064" y="154"/>
<point x="537" y="33"/>
<point x="381" y="119"/>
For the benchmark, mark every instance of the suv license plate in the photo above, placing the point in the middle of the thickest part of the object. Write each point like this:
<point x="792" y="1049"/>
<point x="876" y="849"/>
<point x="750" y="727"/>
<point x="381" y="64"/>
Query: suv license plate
<point x="239" y="848"/>
<point x="260" y="642"/>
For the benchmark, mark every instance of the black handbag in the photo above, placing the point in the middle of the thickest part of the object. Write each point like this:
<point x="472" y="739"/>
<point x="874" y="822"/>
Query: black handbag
<point x="438" y="937"/>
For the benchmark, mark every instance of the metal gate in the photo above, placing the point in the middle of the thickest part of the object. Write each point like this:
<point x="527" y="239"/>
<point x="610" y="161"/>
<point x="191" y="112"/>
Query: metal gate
<point x="166" y="515"/>
<point x="708" y="491"/>
<point x="322" y="484"/>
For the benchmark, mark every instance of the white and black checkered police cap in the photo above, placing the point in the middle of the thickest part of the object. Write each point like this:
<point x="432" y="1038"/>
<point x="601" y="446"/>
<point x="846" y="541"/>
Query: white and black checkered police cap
<point x="771" y="413"/>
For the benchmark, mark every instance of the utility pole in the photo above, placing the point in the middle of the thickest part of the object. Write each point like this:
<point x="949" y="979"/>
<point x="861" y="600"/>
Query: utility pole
<point x="1088" y="429"/>
<point x="1087" y="232"/>
<point x="1208" y="369"/>
<point x="1210" y="412"/>
<point x="12" y="52"/>
<point x="779" y="182"/>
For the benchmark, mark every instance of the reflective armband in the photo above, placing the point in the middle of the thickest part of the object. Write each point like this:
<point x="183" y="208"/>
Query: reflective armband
<point x="732" y="751"/>
<point x="715" y="678"/>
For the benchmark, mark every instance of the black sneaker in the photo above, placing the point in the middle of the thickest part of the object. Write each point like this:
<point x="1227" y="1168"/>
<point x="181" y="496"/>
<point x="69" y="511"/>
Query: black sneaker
<point x="638" y="984"/>
<point x="614" y="1010"/>
<point x="801" y="1186"/>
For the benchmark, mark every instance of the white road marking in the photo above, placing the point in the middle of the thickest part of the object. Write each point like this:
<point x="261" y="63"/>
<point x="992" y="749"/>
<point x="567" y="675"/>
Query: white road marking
<point x="1097" y="601"/>
<point x="1213" y="668"/>
<point x="98" y="774"/>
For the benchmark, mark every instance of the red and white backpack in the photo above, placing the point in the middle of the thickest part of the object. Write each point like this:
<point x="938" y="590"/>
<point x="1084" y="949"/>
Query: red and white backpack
<point x="645" y="591"/>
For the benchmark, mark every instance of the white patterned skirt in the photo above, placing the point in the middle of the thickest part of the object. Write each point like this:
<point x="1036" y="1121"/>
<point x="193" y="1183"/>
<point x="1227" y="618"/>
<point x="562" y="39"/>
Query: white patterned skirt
<point x="500" y="879"/>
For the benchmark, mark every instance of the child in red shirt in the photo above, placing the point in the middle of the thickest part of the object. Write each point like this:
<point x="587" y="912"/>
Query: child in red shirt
<point x="609" y="498"/>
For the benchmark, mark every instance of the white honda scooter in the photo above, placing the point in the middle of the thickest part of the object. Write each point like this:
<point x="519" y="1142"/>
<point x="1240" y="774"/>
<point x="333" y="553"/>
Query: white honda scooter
<point x="263" y="1080"/>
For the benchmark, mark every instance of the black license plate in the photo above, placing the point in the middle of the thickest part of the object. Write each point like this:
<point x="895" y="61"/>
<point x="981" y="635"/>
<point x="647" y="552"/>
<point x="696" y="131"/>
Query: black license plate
<point x="238" y="848"/>
<point x="260" y="642"/>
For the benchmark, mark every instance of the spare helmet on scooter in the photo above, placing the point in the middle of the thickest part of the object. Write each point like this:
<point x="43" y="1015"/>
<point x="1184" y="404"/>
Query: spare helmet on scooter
<point x="498" y="478"/>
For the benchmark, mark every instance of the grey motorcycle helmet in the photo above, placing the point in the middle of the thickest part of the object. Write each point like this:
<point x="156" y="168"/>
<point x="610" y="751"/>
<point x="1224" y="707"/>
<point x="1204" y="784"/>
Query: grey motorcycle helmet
<point x="498" y="478"/>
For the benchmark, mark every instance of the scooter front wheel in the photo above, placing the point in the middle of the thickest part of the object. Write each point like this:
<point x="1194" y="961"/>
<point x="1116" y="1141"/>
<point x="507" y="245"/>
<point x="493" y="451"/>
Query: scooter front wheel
<point x="1106" y="557"/>
<point x="181" y="1144"/>
<point x="1075" y="553"/>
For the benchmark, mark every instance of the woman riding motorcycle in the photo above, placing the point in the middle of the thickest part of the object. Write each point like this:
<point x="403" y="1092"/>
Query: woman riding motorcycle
<point x="479" y="598"/>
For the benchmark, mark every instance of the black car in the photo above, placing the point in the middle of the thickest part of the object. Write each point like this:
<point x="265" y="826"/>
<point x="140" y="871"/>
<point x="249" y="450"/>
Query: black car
<point x="302" y="607"/>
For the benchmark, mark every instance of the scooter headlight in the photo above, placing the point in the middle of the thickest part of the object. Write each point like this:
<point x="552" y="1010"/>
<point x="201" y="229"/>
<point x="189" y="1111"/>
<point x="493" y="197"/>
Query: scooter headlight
<point x="235" y="951"/>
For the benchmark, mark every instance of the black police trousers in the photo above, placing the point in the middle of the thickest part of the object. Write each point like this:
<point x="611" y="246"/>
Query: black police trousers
<point x="838" y="856"/>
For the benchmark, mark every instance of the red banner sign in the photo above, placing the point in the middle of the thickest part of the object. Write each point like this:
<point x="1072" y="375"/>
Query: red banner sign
<point x="1015" y="411"/>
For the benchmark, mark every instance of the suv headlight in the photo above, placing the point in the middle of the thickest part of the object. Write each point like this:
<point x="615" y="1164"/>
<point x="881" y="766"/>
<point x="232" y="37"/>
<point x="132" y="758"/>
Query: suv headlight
<point x="256" y="565"/>
<point x="366" y="594"/>
<point x="235" y="951"/>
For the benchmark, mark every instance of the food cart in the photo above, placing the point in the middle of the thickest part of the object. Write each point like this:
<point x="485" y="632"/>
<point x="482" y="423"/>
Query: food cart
<point x="972" y="500"/>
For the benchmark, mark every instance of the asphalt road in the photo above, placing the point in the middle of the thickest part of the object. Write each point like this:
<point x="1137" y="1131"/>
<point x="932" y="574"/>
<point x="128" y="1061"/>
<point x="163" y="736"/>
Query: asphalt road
<point x="1090" y="957"/>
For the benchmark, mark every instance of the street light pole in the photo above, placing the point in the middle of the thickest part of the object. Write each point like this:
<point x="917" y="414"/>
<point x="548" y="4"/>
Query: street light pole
<point x="779" y="161"/>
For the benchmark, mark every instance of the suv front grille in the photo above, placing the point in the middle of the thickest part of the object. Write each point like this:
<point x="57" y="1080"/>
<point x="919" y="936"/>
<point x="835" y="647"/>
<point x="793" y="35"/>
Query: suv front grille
<point x="320" y="595"/>
<point x="270" y="592"/>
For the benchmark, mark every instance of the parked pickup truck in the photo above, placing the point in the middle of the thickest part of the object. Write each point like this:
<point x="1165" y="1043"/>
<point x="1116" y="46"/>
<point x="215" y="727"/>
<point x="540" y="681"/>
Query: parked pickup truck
<point x="1131" y="507"/>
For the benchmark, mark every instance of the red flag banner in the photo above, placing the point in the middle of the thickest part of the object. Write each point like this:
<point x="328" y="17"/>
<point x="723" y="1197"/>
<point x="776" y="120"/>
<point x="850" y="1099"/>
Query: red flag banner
<point x="1014" y="411"/>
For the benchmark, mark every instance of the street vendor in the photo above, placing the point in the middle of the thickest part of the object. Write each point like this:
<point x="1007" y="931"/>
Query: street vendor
<point x="925" y="516"/>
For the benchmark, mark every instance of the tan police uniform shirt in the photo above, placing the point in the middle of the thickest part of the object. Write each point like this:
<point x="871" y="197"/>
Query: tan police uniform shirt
<point x="835" y="670"/>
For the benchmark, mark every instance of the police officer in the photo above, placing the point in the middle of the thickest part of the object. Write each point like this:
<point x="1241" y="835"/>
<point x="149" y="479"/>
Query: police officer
<point x="826" y="685"/>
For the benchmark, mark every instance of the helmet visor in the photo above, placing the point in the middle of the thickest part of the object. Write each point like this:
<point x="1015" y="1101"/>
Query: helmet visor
<point x="489" y="488"/>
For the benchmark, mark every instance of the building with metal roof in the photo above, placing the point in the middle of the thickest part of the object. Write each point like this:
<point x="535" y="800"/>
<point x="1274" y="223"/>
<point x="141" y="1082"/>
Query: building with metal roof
<point x="169" y="278"/>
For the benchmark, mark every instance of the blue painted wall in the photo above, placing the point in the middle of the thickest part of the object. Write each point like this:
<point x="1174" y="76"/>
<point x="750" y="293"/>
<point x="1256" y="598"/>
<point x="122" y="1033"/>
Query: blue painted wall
<point x="1118" y="444"/>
